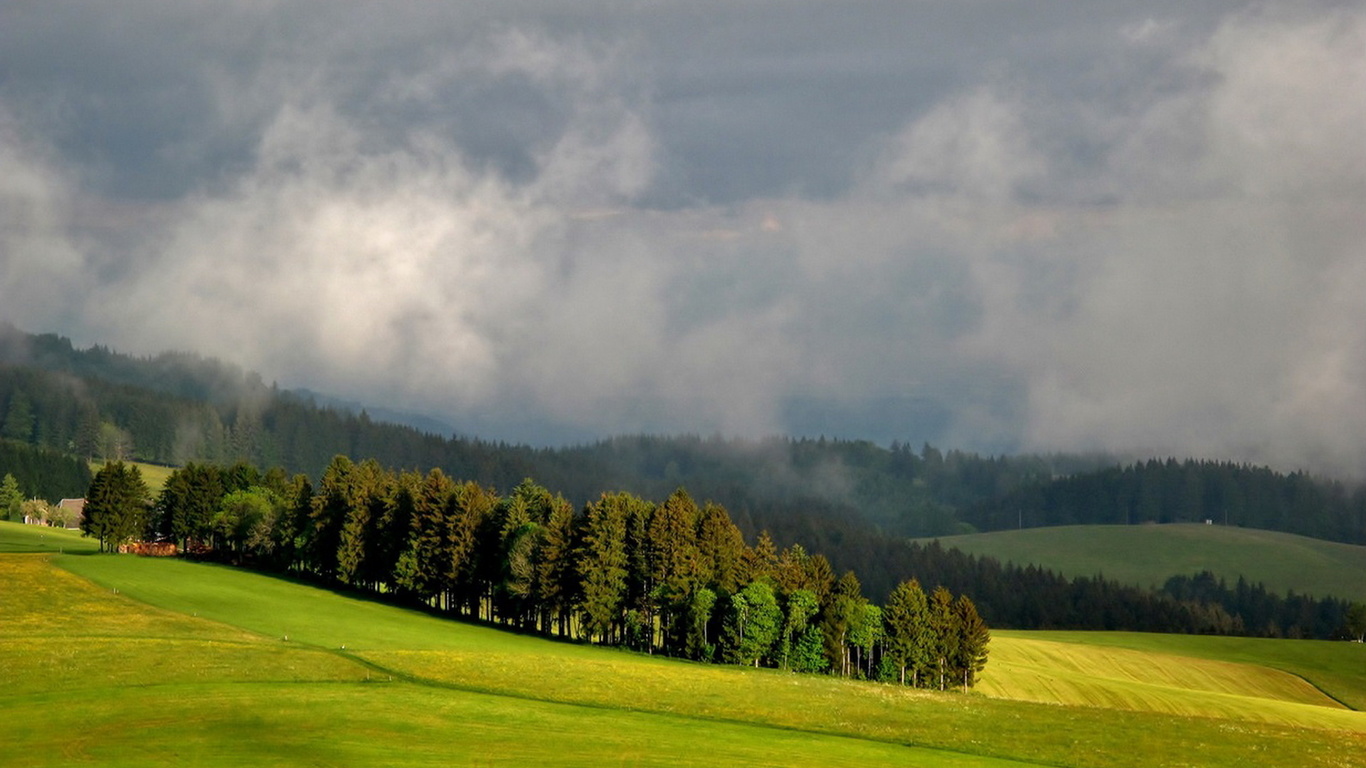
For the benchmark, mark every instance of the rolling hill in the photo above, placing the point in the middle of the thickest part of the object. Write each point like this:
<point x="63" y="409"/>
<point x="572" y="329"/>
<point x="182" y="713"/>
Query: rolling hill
<point x="1147" y="555"/>
<point x="117" y="660"/>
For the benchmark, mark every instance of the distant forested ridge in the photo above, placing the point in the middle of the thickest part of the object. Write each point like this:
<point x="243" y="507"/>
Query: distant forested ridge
<point x="1189" y="491"/>
<point x="177" y="407"/>
<point x="853" y="500"/>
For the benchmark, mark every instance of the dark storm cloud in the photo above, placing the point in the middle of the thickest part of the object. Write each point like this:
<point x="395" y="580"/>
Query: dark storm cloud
<point x="996" y="225"/>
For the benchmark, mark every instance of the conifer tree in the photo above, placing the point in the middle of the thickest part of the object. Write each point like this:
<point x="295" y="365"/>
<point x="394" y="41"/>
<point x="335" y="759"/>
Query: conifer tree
<point x="944" y="633"/>
<point x="556" y="574"/>
<point x="10" y="498"/>
<point x="603" y="564"/>
<point x="331" y="506"/>
<point x="845" y="608"/>
<point x="720" y="549"/>
<point x="906" y="617"/>
<point x="973" y="637"/>
<point x="673" y="561"/>
<point x="115" y="506"/>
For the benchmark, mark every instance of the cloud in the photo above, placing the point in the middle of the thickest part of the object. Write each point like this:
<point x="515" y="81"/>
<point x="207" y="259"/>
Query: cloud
<point x="1141" y="236"/>
<point x="1203" y="310"/>
<point x="41" y="263"/>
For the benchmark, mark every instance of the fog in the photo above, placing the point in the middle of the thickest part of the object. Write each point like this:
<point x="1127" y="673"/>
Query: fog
<point x="1137" y="229"/>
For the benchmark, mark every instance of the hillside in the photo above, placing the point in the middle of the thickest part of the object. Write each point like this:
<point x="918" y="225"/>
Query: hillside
<point x="177" y="407"/>
<point x="853" y="501"/>
<point x="254" y="669"/>
<point x="1147" y="555"/>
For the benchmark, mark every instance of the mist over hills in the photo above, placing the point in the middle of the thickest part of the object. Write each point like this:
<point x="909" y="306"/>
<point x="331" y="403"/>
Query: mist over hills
<point x="852" y="500"/>
<point x="178" y="406"/>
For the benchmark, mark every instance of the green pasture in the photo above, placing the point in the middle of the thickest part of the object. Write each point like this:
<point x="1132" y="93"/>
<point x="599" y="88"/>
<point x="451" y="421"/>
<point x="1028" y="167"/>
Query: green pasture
<point x="155" y="475"/>
<point x="420" y="690"/>
<point x="17" y="537"/>
<point x="92" y="677"/>
<point x="1147" y="555"/>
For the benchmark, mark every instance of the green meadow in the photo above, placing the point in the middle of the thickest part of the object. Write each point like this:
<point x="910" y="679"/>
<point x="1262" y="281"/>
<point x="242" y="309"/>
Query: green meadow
<point x="155" y="475"/>
<point x="1147" y="555"/>
<point x="119" y="660"/>
<point x="16" y="537"/>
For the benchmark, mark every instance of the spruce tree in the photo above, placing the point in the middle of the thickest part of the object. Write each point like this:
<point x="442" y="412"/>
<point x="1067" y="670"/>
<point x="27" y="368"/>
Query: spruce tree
<point x="973" y="636"/>
<point x="603" y="564"/>
<point x="116" y="506"/>
<point x="11" y="498"/>
<point x="906" y="618"/>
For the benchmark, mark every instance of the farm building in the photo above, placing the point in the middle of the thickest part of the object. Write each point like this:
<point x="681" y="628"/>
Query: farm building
<point x="68" y="513"/>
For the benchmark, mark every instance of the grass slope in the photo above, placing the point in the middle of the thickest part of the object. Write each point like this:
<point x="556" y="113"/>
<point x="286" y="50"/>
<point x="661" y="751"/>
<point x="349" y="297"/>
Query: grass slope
<point x="504" y="697"/>
<point x="155" y="475"/>
<point x="17" y="537"/>
<point x="95" y="678"/>
<point x="1030" y="667"/>
<point x="1338" y="669"/>
<point x="1146" y="555"/>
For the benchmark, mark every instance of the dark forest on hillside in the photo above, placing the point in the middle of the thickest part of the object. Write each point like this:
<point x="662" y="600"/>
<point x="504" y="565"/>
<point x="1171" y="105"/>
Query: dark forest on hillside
<point x="854" y="501"/>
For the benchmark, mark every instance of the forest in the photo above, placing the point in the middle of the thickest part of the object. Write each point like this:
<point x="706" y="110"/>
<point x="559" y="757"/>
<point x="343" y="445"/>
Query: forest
<point x="853" y="501"/>
<point x="177" y="407"/>
<point x="673" y="577"/>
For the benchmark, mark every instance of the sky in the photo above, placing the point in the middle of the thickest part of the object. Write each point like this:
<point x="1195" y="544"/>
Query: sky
<point x="987" y="224"/>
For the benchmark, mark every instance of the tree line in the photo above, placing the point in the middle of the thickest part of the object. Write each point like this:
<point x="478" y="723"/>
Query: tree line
<point x="1189" y="491"/>
<point x="851" y="500"/>
<point x="42" y="473"/>
<point x="1031" y="597"/>
<point x="671" y="577"/>
<point x="177" y="407"/>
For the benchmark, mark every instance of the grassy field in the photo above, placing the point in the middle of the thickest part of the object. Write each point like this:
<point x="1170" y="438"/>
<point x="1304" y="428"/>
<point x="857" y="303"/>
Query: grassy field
<point x="189" y="663"/>
<point x="1337" y="669"/>
<point x="153" y="474"/>
<point x="95" y="678"/>
<point x="1160" y="678"/>
<point x="1146" y="555"/>
<point x="17" y="537"/>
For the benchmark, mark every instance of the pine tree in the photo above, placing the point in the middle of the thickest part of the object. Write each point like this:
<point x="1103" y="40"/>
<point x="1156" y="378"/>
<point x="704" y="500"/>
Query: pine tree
<point x="907" y="631"/>
<point x="720" y="548"/>
<point x="187" y="503"/>
<point x="673" y="561"/>
<point x="845" y="608"/>
<point x="945" y="635"/>
<point x="19" y="419"/>
<point x="10" y="498"/>
<point x="973" y="636"/>
<point x="115" y="506"/>
<point x="761" y="560"/>
<point x="556" y="574"/>
<point x="331" y="505"/>
<point x="603" y="564"/>
<point x="423" y="564"/>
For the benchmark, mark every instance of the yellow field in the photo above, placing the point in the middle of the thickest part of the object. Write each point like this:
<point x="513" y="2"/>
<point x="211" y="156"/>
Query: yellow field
<point x="1028" y="669"/>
